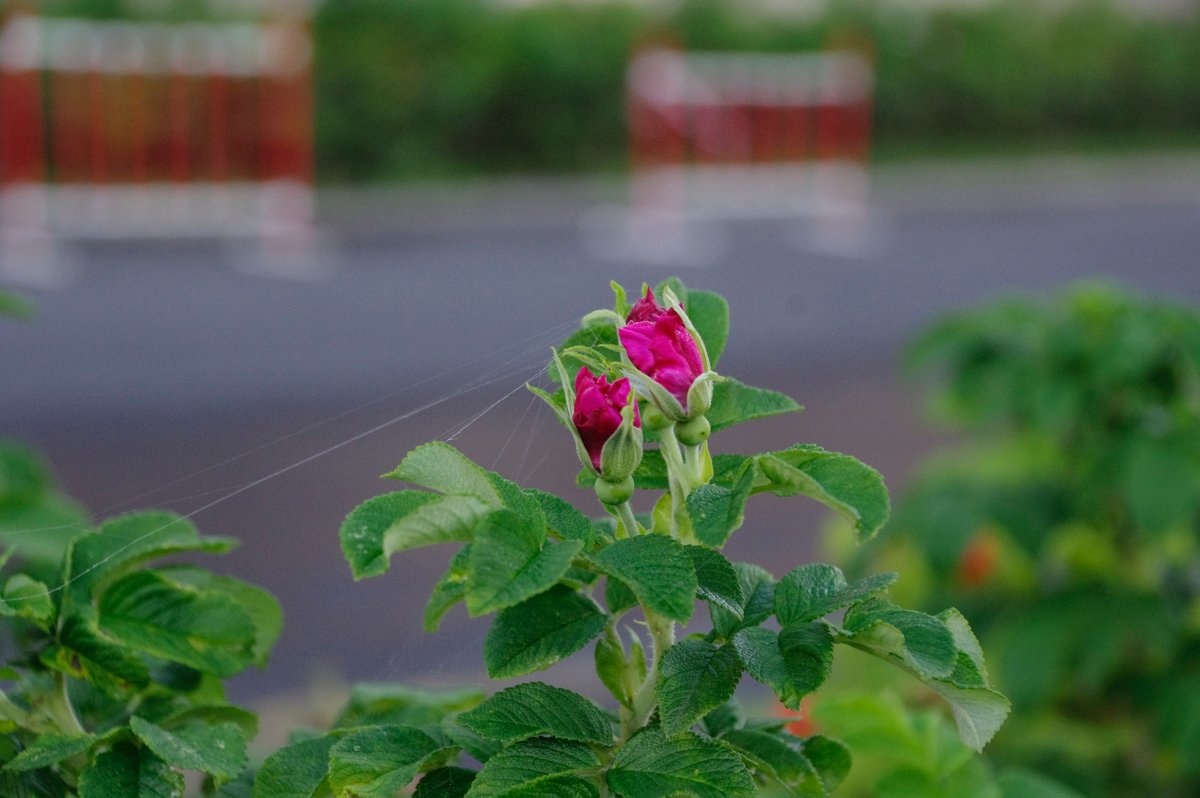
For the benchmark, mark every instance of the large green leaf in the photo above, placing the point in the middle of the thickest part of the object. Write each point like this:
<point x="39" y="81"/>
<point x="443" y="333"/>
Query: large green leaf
<point x="793" y="663"/>
<point x="830" y="757"/>
<point x="535" y="709"/>
<point x="85" y="652"/>
<point x="508" y="562"/>
<point x="50" y="748"/>
<point x="716" y="580"/>
<point x="450" y="589"/>
<point x="378" y="762"/>
<point x="838" y="481"/>
<point x="657" y="569"/>
<point x="392" y="704"/>
<point x="539" y="632"/>
<point x="779" y="759"/>
<point x="734" y="402"/>
<point x="694" y="677"/>
<point x="205" y="631"/>
<point x="716" y="511"/>
<point x="260" y="606"/>
<point x="922" y="642"/>
<point x="817" y="589"/>
<point x="758" y="590"/>
<point x="123" y="543"/>
<point x="447" y="782"/>
<point x="25" y="597"/>
<point x="295" y="771"/>
<point x="219" y="750"/>
<point x="563" y="518"/>
<point x="440" y="467"/>
<point x="979" y="712"/>
<point x="539" y="768"/>
<point x="652" y="765"/>
<point x="130" y="772"/>
<point x="407" y="519"/>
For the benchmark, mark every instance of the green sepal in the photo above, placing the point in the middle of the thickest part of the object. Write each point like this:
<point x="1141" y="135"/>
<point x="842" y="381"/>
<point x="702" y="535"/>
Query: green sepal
<point x="622" y="452"/>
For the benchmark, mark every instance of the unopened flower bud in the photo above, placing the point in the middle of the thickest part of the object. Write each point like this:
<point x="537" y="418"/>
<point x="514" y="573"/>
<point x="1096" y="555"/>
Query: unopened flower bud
<point x="605" y="417"/>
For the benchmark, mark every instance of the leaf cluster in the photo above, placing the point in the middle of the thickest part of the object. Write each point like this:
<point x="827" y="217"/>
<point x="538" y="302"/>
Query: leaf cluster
<point x="117" y="688"/>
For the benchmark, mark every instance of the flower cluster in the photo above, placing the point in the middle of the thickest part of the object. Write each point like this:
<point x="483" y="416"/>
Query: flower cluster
<point x="662" y="362"/>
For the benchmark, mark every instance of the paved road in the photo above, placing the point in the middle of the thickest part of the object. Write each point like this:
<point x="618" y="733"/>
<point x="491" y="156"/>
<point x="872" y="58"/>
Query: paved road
<point x="160" y="362"/>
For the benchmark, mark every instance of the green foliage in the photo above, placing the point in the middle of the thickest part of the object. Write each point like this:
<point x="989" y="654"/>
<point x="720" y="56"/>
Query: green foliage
<point x="1068" y="527"/>
<point x="558" y="581"/>
<point x="116" y="690"/>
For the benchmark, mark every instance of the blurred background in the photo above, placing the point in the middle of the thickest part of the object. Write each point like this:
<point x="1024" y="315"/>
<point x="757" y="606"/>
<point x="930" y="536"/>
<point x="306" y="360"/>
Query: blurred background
<point x="272" y="246"/>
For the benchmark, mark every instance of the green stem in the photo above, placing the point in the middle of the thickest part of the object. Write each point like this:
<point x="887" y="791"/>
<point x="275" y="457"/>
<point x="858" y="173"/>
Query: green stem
<point x="630" y="524"/>
<point x="677" y="476"/>
<point x="662" y="637"/>
<point x="694" y="456"/>
<point x="59" y="709"/>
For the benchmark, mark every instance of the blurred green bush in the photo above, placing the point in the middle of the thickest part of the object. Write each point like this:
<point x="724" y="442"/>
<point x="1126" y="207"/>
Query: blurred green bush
<point x="414" y="88"/>
<point x="1067" y="526"/>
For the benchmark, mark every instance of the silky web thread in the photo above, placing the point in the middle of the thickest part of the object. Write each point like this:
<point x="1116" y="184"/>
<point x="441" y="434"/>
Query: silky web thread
<point x="477" y="383"/>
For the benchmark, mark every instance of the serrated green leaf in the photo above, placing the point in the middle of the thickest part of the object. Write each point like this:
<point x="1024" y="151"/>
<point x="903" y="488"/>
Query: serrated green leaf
<point x="378" y="762"/>
<point x="830" y="757"/>
<point x="205" y="631"/>
<point x="979" y="712"/>
<point x="593" y="337"/>
<point x="724" y="718"/>
<point x="716" y="580"/>
<point x="657" y="569"/>
<point x="392" y="704"/>
<point x="295" y="771"/>
<point x="25" y="597"/>
<point x="509" y="563"/>
<point x="121" y="544"/>
<point x="694" y="677"/>
<point x="1015" y="782"/>
<point x="779" y="758"/>
<point x="539" y="632"/>
<point x="448" y="782"/>
<point x="758" y="590"/>
<point x="716" y="511"/>
<point x="610" y="667"/>
<point x="481" y="748"/>
<point x="440" y="467"/>
<point x="793" y="663"/>
<point x="965" y="640"/>
<point x="540" y="767"/>
<point x="920" y="641"/>
<point x="535" y="709"/>
<point x="211" y="715"/>
<point x="617" y="596"/>
<point x="87" y="653"/>
<point x="49" y="748"/>
<point x="260" y="606"/>
<point x="814" y="590"/>
<point x="652" y="765"/>
<point x="219" y="750"/>
<point x="563" y="518"/>
<point x="838" y="481"/>
<point x="734" y="402"/>
<point x="450" y="589"/>
<point x="128" y="772"/>
<point x="407" y="519"/>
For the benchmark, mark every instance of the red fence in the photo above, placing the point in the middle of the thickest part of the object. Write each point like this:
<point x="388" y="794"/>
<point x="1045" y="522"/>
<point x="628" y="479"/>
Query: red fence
<point x="748" y="135"/>
<point x="121" y="129"/>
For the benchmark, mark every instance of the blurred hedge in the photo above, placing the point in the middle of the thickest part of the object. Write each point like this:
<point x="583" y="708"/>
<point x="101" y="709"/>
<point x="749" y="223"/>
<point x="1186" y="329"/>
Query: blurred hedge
<point x="420" y="87"/>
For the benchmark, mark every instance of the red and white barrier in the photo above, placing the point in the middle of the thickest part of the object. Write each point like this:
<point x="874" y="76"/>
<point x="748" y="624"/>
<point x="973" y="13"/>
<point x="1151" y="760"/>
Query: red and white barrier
<point x="138" y="130"/>
<point x="748" y="135"/>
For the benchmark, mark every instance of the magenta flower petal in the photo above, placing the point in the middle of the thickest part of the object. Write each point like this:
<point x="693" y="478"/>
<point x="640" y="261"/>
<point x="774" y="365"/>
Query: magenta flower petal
<point x="597" y="411"/>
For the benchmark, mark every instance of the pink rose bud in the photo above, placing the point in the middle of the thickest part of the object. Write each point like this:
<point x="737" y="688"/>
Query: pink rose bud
<point x="597" y="411"/>
<point x="661" y="347"/>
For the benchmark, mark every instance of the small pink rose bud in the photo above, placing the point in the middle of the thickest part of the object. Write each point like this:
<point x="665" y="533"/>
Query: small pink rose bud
<point x="598" y="413"/>
<point x="661" y="347"/>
